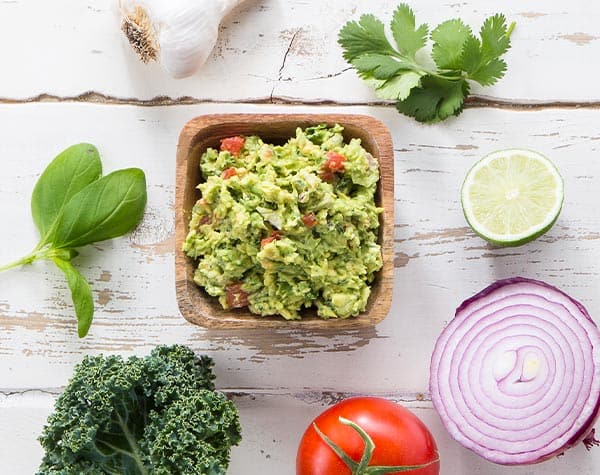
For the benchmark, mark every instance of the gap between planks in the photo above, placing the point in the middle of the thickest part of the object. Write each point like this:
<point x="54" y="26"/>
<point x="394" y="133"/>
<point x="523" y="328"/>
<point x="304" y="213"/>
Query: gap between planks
<point x="472" y="102"/>
<point x="310" y="397"/>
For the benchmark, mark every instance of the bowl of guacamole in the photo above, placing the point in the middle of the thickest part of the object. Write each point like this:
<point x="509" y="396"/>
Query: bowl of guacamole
<point x="284" y="221"/>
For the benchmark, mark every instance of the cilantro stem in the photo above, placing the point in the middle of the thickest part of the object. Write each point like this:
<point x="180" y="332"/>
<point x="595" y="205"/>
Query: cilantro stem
<point x="458" y="77"/>
<point x="413" y="65"/>
<point x="424" y="71"/>
<point x="511" y="27"/>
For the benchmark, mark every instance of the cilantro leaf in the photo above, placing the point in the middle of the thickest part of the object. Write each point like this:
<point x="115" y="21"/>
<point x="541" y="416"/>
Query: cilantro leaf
<point x="453" y="99"/>
<point x="367" y="36"/>
<point x="436" y="99"/>
<point x="495" y="37"/>
<point x="449" y="38"/>
<point x="489" y="73"/>
<point x="399" y="87"/>
<point x="379" y="66"/>
<point x="481" y="59"/>
<point x="471" y="55"/>
<point x="408" y="38"/>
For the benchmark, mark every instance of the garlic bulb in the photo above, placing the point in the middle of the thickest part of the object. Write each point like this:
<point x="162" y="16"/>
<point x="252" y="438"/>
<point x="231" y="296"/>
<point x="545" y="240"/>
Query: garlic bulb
<point x="180" y="34"/>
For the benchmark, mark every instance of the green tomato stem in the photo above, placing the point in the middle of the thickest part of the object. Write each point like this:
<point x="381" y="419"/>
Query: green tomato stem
<point x="351" y="464"/>
<point x="363" y="467"/>
<point x="369" y="445"/>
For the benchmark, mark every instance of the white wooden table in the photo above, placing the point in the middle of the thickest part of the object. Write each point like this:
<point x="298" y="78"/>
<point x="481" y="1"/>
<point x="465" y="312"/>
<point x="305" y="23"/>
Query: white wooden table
<point x="67" y="77"/>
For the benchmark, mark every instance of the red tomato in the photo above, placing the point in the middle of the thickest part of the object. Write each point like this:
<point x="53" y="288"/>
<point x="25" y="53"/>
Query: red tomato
<point x="335" y="162"/>
<point x="233" y="145"/>
<point x="204" y="220"/>
<point x="309" y="220"/>
<point x="235" y="296"/>
<point x="228" y="173"/>
<point x="275" y="236"/>
<point x="400" y="438"/>
<point x="327" y="175"/>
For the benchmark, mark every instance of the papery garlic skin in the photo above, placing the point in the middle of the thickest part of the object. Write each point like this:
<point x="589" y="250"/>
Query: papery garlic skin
<point x="182" y="33"/>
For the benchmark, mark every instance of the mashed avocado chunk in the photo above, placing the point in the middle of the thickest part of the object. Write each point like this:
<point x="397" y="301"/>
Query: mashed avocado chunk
<point x="283" y="227"/>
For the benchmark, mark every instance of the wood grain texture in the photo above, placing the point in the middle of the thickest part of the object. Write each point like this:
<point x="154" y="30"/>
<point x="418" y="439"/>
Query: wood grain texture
<point x="206" y="131"/>
<point x="438" y="263"/>
<point x="283" y="50"/>
<point x="68" y="76"/>
<point x="269" y="446"/>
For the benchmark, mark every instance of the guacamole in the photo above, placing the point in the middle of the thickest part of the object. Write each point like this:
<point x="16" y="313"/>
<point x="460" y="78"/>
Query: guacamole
<point x="283" y="227"/>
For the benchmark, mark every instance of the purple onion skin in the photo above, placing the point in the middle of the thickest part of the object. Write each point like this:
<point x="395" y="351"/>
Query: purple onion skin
<point x="517" y="280"/>
<point x="586" y="429"/>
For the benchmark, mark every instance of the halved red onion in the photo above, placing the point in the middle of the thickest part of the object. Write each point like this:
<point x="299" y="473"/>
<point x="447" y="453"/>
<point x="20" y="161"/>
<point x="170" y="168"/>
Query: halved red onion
<point x="515" y="376"/>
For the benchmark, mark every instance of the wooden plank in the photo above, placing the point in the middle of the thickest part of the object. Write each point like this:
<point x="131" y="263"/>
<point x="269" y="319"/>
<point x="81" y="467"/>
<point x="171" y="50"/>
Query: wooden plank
<point x="268" y="446"/>
<point x="439" y="262"/>
<point x="278" y="49"/>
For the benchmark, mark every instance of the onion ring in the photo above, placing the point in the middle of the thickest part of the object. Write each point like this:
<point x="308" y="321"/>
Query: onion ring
<point x="515" y="376"/>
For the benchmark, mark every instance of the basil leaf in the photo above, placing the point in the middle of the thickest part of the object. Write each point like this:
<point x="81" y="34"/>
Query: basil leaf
<point x="81" y="293"/>
<point x="105" y="209"/>
<point x="71" y="171"/>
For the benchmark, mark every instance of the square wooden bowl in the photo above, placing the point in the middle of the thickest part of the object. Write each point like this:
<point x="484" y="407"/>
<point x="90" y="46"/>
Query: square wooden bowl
<point x="206" y="131"/>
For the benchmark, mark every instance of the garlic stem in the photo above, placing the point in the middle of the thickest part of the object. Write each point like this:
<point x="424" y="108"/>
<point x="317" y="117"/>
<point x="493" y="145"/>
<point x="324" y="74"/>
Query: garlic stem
<point x="141" y="35"/>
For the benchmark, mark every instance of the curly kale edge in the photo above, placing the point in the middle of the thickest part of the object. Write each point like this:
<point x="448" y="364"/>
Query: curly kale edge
<point x="139" y="416"/>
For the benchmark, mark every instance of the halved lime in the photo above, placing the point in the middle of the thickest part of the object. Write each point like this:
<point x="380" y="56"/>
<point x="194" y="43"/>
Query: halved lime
<point x="511" y="197"/>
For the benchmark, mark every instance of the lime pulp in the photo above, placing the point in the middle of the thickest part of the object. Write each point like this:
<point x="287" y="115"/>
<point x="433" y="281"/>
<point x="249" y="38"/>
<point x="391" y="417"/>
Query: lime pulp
<point x="511" y="197"/>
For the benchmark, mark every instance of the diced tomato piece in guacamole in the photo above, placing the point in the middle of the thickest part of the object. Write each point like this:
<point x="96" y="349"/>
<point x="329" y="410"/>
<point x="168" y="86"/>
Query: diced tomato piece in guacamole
<point x="228" y="173"/>
<point x="309" y="220"/>
<point x="335" y="162"/>
<point x="235" y="296"/>
<point x="275" y="236"/>
<point x="233" y="145"/>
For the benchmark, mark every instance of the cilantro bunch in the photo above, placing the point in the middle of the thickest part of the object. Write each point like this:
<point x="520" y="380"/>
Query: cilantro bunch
<point x="397" y="73"/>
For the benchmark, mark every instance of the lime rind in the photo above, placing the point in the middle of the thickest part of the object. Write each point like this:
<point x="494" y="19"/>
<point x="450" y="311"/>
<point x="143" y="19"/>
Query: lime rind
<point x="525" y="167"/>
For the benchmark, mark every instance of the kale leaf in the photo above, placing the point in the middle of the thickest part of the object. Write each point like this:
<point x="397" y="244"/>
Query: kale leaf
<point x="139" y="416"/>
